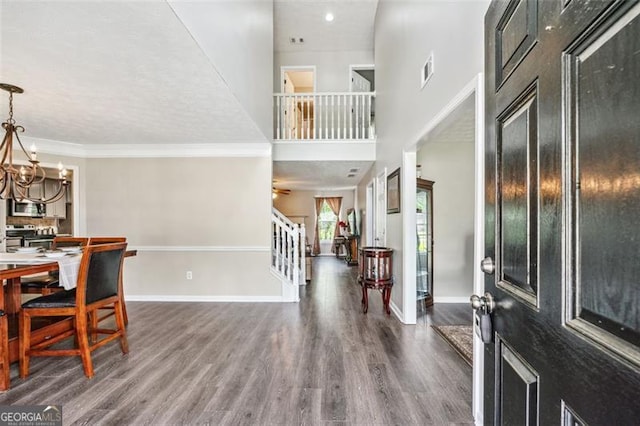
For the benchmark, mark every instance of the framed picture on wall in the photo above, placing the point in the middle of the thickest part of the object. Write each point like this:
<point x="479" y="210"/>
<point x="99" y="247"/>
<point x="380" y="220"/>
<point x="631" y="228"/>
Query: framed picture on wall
<point x="393" y="192"/>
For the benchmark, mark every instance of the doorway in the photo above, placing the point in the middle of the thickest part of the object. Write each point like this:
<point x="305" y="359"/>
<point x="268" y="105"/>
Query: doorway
<point x="298" y="79"/>
<point x="467" y="106"/>
<point x="297" y="108"/>
<point x="362" y="78"/>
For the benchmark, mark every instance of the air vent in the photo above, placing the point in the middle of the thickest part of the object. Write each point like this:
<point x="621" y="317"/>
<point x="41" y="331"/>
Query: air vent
<point x="354" y="170"/>
<point x="350" y="175"/>
<point x="427" y="70"/>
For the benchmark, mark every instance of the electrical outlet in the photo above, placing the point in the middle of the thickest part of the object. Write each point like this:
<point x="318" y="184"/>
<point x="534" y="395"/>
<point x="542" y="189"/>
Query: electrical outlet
<point x="189" y="275"/>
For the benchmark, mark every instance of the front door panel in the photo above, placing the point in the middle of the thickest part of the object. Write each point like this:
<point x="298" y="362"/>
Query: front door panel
<point x="605" y="179"/>
<point x="562" y="205"/>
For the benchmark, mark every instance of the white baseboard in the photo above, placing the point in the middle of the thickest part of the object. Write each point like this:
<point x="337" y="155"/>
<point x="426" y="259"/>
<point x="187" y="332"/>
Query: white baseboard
<point x="182" y="298"/>
<point x="396" y="311"/>
<point x="454" y="299"/>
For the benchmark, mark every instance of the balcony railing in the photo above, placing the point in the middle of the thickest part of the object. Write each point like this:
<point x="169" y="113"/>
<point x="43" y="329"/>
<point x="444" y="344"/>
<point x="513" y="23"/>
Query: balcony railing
<point x="324" y="116"/>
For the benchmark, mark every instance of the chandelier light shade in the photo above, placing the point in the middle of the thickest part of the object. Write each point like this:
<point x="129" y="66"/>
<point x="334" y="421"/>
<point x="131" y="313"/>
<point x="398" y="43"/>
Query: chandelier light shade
<point x="17" y="180"/>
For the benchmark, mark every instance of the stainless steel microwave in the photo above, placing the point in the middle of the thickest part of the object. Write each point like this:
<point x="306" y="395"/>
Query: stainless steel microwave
<point x="26" y="208"/>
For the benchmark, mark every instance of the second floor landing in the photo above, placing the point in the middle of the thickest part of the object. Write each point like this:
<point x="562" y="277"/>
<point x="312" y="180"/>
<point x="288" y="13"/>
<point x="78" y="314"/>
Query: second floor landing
<point x="336" y="126"/>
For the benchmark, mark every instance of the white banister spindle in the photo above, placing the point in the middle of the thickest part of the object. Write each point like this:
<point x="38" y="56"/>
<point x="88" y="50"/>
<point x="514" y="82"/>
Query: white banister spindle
<point x="350" y="117"/>
<point x="303" y="254"/>
<point x="357" y="118"/>
<point x="338" y="114"/>
<point x="333" y="124"/>
<point x="345" y="117"/>
<point x="296" y="259"/>
<point x="306" y="117"/>
<point x="368" y="124"/>
<point x="363" y="116"/>
<point x="315" y="110"/>
<point x="324" y="116"/>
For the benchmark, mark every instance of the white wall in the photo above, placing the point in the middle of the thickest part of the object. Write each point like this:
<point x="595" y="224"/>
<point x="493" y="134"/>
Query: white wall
<point x="406" y="32"/>
<point x="210" y="216"/>
<point x="452" y="167"/>
<point x="332" y="67"/>
<point x="239" y="41"/>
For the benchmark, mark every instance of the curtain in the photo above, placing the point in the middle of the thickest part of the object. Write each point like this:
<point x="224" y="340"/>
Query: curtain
<point x="334" y="204"/>
<point x="316" y="238"/>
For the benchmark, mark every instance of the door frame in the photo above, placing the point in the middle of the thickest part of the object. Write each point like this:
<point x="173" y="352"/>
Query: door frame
<point x="381" y="210"/>
<point x="285" y="68"/>
<point x="474" y="88"/>
<point x="370" y="212"/>
<point x="356" y="67"/>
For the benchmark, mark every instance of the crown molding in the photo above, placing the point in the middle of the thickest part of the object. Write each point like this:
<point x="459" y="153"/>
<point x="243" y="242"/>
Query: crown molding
<point x="228" y="149"/>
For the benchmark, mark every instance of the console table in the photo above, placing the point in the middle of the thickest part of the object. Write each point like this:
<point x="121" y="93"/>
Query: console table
<point x="375" y="271"/>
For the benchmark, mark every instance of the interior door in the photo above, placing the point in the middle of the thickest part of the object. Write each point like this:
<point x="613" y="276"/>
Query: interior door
<point x="562" y="203"/>
<point x="359" y="83"/>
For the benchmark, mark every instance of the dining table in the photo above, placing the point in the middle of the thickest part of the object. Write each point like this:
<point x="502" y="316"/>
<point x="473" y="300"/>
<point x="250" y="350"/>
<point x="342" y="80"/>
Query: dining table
<point x="14" y="266"/>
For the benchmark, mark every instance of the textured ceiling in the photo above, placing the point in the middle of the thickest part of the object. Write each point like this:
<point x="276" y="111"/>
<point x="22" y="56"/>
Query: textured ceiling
<point x="303" y="175"/>
<point x="457" y="127"/>
<point x="114" y="73"/>
<point x="130" y="72"/>
<point x="352" y="28"/>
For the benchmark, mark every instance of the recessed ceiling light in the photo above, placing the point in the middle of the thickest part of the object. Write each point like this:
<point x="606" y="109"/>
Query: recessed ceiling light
<point x="328" y="17"/>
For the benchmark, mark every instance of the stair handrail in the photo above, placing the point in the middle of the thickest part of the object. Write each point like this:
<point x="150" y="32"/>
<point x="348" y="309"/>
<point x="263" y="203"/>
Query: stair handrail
<point x="288" y="248"/>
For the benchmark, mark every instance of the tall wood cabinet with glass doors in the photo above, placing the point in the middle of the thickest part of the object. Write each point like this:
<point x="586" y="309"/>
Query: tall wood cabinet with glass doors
<point x="424" y="246"/>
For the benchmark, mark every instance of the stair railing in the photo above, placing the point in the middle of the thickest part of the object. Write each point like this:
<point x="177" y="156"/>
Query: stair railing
<point x="288" y="249"/>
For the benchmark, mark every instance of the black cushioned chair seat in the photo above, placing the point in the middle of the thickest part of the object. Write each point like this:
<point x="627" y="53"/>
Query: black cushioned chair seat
<point x="61" y="299"/>
<point x="52" y="282"/>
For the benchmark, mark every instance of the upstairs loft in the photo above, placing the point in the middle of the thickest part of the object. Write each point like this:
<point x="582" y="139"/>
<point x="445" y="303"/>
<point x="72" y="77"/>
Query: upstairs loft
<point x="327" y="125"/>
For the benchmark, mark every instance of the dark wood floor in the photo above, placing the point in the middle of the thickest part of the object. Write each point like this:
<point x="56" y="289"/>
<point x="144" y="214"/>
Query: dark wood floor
<point x="318" y="362"/>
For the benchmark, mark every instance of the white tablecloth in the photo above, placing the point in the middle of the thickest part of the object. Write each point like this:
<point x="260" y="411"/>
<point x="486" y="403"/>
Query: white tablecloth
<point x="68" y="265"/>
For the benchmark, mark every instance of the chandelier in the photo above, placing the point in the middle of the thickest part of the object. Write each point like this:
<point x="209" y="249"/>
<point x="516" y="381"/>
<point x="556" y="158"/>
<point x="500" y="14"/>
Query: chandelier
<point x="16" y="181"/>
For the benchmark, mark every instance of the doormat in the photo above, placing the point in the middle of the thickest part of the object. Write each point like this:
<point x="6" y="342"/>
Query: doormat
<point x="460" y="338"/>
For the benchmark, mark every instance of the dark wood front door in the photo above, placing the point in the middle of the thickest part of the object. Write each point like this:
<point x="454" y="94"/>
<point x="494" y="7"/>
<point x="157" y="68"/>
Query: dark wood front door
<point x="562" y="208"/>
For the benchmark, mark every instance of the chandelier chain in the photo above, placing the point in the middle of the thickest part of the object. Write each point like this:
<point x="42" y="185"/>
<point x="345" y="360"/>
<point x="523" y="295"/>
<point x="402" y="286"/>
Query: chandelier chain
<point x="11" y="120"/>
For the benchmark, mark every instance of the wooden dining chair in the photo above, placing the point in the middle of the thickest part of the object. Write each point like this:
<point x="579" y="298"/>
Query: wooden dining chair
<point x="4" y="352"/>
<point x="110" y="240"/>
<point x="97" y="287"/>
<point x="49" y="283"/>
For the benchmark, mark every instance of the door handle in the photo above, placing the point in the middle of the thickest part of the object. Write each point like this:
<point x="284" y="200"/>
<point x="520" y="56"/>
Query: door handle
<point x="487" y="265"/>
<point x="484" y="303"/>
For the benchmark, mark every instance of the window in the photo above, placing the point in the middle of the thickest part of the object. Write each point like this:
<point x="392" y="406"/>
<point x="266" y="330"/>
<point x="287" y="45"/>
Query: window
<point x="326" y="222"/>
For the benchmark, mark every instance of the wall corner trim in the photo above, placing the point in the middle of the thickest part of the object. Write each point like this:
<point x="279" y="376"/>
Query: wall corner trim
<point x="177" y="150"/>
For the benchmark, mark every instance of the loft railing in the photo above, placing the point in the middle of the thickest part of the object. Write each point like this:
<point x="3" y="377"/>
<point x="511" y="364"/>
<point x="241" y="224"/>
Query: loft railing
<point x="324" y="116"/>
<point x="288" y="248"/>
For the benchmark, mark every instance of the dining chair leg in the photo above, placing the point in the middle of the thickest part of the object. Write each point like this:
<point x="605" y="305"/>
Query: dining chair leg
<point x="4" y="327"/>
<point x="120" y="325"/>
<point x="83" y="344"/>
<point x="93" y="325"/>
<point x="124" y="311"/>
<point x="24" y="324"/>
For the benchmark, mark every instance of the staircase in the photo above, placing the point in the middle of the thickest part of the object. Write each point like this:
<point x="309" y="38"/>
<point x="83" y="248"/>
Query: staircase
<point x="288" y="254"/>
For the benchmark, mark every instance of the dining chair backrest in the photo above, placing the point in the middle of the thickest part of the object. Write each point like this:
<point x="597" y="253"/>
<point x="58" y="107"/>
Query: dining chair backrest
<point x="69" y="242"/>
<point x="99" y="273"/>
<point x="106" y="240"/>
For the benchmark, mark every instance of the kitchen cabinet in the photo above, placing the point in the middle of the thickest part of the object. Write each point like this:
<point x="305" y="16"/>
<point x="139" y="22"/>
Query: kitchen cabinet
<point x="36" y="190"/>
<point x="56" y="209"/>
